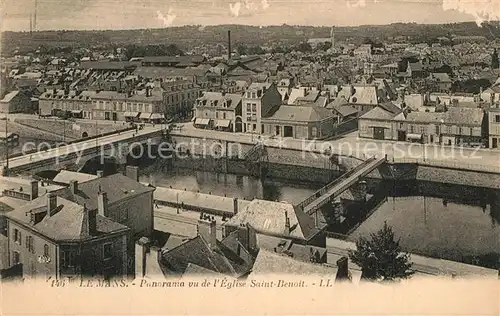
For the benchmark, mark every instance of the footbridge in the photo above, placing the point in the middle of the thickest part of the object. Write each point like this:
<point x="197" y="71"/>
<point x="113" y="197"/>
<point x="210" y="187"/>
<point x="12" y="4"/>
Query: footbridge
<point x="339" y="185"/>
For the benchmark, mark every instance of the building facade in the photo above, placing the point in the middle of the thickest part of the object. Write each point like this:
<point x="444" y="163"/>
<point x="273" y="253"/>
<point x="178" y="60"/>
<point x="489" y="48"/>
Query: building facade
<point x="54" y="237"/>
<point x="259" y="101"/>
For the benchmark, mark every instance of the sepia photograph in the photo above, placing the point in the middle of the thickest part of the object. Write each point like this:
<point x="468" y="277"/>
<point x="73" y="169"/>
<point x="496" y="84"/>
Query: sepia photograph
<point x="250" y="154"/>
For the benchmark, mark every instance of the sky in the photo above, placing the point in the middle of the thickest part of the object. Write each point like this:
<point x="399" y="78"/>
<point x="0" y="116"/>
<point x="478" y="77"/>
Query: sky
<point x="133" y="14"/>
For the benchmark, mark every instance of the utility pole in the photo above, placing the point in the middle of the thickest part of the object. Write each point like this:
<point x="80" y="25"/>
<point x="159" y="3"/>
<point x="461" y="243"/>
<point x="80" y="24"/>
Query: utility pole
<point x="6" y="144"/>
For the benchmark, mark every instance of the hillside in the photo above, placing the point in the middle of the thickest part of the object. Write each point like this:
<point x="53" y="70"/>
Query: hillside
<point x="187" y="37"/>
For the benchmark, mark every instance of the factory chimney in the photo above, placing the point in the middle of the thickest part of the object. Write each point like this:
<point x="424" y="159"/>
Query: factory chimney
<point x="229" y="50"/>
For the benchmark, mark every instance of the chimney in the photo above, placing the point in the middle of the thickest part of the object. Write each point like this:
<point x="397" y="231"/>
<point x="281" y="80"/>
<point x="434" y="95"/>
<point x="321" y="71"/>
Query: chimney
<point x="102" y="203"/>
<point x="34" y="189"/>
<point x="229" y="49"/>
<point x="142" y="248"/>
<point x="207" y="230"/>
<point x="100" y="173"/>
<point x="51" y="204"/>
<point x="235" y="206"/>
<point x="73" y="185"/>
<point x="132" y="172"/>
<point x="247" y="237"/>
<point x="287" y="223"/>
<point x="343" y="270"/>
<point x="91" y="221"/>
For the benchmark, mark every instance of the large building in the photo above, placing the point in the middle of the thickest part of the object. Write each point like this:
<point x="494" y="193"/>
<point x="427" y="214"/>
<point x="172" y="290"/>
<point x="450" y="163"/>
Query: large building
<point x="62" y="102"/>
<point x="259" y="101"/>
<point x="83" y="218"/>
<point x="53" y="236"/>
<point x="16" y="102"/>
<point x="219" y="111"/>
<point x="116" y="106"/>
<point x="303" y="122"/>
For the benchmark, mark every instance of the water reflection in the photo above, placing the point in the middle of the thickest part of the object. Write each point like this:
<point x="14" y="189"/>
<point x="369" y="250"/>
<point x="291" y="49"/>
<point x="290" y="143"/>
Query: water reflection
<point x="230" y="185"/>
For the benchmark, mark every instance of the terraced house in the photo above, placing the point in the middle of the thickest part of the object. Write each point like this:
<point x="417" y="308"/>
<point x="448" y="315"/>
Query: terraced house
<point x="218" y="111"/>
<point x="116" y="106"/>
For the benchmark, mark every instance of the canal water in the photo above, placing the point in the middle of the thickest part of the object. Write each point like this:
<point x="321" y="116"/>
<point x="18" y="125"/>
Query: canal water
<point x="437" y="220"/>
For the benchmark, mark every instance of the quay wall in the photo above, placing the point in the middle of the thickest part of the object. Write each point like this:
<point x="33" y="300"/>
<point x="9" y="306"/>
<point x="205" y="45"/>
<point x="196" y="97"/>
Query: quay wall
<point x="299" y="165"/>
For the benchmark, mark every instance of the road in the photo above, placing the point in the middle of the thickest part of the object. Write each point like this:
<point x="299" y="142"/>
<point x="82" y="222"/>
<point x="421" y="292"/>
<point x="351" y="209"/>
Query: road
<point x="78" y="147"/>
<point x="352" y="145"/>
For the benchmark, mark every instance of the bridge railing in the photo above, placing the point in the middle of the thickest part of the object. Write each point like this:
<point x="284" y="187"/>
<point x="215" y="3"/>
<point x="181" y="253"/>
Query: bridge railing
<point x="330" y="185"/>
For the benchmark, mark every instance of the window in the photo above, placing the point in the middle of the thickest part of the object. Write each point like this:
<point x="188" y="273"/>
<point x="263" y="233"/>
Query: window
<point x="249" y="107"/>
<point x="216" y="115"/>
<point x="460" y="131"/>
<point x="497" y="118"/>
<point x="254" y="107"/>
<point x="16" y="257"/>
<point x="421" y="129"/>
<point x="46" y="252"/>
<point x="67" y="258"/>
<point x="224" y="115"/>
<point x="401" y="125"/>
<point x="437" y="129"/>
<point x="107" y="251"/>
<point x="17" y="236"/>
<point x="411" y="128"/>
<point x="29" y="244"/>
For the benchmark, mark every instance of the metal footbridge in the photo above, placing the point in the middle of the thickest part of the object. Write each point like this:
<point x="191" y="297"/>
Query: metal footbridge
<point x="339" y="185"/>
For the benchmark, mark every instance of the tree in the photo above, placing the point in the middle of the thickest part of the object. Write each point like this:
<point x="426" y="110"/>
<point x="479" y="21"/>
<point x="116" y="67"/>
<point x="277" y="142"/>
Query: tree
<point x="380" y="257"/>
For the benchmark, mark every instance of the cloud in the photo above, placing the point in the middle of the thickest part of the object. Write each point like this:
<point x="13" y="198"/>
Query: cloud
<point x="248" y="8"/>
<point x="169" y="19"/>
<point x="234" y="9"/>
<point x="481" y="10"/>
<point x="356" y="3"/>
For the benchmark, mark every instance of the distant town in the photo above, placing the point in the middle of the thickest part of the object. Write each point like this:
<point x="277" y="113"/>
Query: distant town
<point x="306" y="156"/>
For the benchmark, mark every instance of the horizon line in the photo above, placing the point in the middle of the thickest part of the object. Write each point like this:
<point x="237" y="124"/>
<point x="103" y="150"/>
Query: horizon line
<point x="245" y="25"/>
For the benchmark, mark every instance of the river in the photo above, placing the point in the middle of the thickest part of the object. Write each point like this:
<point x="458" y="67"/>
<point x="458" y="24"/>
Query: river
<point x="450" y="222"/>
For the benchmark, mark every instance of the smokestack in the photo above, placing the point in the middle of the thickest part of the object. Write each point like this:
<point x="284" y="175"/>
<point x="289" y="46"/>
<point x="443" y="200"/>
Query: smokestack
<point x="102" y="203"/>
<point x="229" y="50"/>
<point x="73" y="184"/>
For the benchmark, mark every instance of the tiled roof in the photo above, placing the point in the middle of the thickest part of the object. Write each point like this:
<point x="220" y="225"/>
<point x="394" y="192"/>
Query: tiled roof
<point x="363" y="94"/>
<point x="345" y="110"/>
<point x="425" y="117"/>
<point x="116" y="186"/>
<point x="65" y="176"/>
<point x="464" y="116"/>
<point x="378" y="113"/>
<point x="301" y="114"/>
<point x="270" y="217"/>
<point x="196" y="251"/>
<point x="269" y="263"/>
<point x="165" y="72"/>
<point x="68" y="223"/>
<point x="9" y="96"/>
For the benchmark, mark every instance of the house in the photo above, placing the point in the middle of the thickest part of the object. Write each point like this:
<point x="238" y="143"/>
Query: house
<point x="218" y="110"/>
<point x="439" y="82"/>
<point x="233" y="256"/>
<point x="16" y="102"/>
<point x="414" y="70"/>
<point x="463" y="126"/>
<point x="303" y="122"/>
<point x="65" y="102"/>
<point x="278" y="219"/>
<point x="116" y="106"/>
<point x="259" y="101"/>
<point x="179" y="97"/>
<point x="285" y="88"/>
<point x="362" y="97"/>
<point x="377" y="124"/>
<point x="494" y="127"/>
<point x="457" y="126"/>
<point x="53" y="236"/>
<point x="130" y="204"/>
